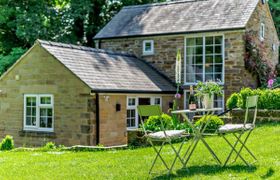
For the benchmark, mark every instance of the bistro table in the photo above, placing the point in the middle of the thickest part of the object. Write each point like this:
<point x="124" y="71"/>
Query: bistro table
<point x="197" y="133"/>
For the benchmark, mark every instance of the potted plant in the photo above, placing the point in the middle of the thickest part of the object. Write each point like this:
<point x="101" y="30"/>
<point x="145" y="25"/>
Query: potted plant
<point x="206" y="91"/>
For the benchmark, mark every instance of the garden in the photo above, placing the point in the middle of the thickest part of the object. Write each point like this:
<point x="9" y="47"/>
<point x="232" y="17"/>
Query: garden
<point x="133" y="163"/>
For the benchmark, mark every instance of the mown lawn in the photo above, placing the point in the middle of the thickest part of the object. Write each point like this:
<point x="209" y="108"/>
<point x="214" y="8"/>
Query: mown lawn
<point x="134" y="164"/>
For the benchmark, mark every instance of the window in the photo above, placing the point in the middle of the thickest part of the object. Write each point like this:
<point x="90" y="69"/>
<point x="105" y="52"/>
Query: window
<point x="38" y="112"/>
<point x="204" y="59"/>
<point x="262" y="31"/>
<point x="148" y="47"/>
<point x="132" y="118"/>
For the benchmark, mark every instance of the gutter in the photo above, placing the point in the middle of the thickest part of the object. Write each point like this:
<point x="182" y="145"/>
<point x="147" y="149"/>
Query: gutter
<point x="97" y="119"/>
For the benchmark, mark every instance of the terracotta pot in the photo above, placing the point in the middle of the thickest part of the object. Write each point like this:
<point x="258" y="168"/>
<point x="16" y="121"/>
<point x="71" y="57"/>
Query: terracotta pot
<point x="208" y="101"/>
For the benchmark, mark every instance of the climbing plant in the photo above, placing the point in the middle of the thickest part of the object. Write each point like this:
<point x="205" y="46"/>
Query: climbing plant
<point x="255" y="60"/>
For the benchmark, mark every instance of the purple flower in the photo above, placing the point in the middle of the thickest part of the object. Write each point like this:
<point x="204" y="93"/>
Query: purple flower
<point x="270" y="83"/>
<point x="177" y="96"/>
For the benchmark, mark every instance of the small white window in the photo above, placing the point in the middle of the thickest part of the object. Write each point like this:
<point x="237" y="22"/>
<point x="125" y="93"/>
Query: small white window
<point x="148" y="47"/>
<point x="38" y="112"/>
<point x="262" y="31"/>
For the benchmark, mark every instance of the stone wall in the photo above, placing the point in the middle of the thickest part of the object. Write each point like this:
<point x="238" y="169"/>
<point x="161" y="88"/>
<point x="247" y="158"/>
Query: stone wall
<point x="112" y="122"/>
<point x="74" y="107"/>
<point x="262" y="15"/>
<point x="164" y="57"/>
<point x="262" y="116"/>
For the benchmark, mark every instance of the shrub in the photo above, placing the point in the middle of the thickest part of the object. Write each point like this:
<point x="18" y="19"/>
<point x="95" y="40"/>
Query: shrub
<point x="153" y="123"/>
<point x="268" y="98"/>
<point x="214" y="123"/>
<point x="7" y="143"/>
<point x="49" y="146"/>
<point x="232" y="101"/>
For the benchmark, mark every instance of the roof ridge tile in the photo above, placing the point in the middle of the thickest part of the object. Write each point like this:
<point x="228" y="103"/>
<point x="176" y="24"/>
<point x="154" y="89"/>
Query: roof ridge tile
<point x="84" y="48"/>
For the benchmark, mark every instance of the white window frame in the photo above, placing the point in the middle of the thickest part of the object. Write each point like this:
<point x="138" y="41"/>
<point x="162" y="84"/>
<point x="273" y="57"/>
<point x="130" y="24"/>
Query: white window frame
<point x="262" y="31"/>
<point x="144" y="47"/>
<point x="38" y="106"/>
<point x="137" y="120"/>
<point x="204" y="55"/>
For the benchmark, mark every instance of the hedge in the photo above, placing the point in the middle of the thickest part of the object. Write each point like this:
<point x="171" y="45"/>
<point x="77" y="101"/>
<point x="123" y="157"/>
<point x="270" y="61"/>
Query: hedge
<point x="268" y="98"/>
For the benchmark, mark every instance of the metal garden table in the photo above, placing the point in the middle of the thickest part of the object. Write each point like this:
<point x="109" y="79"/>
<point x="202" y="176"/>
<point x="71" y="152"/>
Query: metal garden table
<point x="197" y="133"/>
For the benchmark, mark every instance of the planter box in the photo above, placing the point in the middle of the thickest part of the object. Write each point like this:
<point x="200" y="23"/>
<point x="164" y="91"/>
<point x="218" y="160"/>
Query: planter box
<point x="262" y="116"/>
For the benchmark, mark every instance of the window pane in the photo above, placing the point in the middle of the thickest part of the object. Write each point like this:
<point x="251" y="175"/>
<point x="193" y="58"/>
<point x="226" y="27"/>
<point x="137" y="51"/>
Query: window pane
<point x="30" y="101"/>
<point x="191" y="42"/>
<point x="28" y="111"/>
<point x="199" y="41"/>
<point x="190" y="51"/>
<point x="218" y="77"/>
<point x="218" y="39"/>
<point x="157" y="101"/>
<point x="131" y="101"/>
<point x="43" y="112"/>
<point x="209" y="50"/>
<point x="218" y="59"/>
<point x="209" y="41"/>
<point x="148" y="46"/>
<point x="199" y="60"/>
<point x="198" y="69"/>
<point x="28" y="121"/>
<point x="33" y="110"/>
<point x="130" y="118"/>
<point x="218" y="68"/>
<point x="199" y="77"/>
<point x="49" y="125"/>
<point x="45" y="100"/>
<point x="209" y="59"/>
<point x="218" y="49"/>
<point x="209" y="77"/>
<point x="199" y="50"/>
<point x="33" y="119"/>
<point x="43" y="122"/>
<point x="50" y="112"/>
<point x="209" y="69"/>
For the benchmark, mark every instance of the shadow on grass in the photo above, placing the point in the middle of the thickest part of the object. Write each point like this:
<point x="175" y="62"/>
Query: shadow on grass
<point x="207" y="170"/>
<point x="268" y="174"/>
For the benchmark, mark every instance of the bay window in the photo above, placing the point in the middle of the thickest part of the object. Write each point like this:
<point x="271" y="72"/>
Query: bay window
<point x="38" y="112"/>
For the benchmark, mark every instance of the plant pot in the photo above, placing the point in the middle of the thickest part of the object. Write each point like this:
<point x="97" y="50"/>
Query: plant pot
<point x="208" y="101"/>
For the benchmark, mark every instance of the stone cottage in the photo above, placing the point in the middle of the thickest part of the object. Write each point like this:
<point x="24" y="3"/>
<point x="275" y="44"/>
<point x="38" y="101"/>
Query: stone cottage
<point x="79" y="95"/>
<point x="209" y="32"/>
<point x="75" y="95"/>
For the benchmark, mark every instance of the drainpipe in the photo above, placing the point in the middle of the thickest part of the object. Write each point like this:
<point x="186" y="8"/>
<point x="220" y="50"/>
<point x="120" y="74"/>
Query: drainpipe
<point x="97" y="118"/>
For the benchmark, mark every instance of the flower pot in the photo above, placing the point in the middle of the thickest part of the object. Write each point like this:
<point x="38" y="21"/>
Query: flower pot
<point x="208" y="101"/>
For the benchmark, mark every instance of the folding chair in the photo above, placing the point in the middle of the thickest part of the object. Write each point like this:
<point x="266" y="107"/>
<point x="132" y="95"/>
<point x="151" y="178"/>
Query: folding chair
<point x="163" y="136"/>
<point x="240" y="129"/>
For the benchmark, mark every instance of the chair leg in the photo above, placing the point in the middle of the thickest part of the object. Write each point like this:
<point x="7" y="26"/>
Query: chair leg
<point x="196" y="140"/>
<point x="233" y="149"/>
<point x="177" y="155"/>
<point x="244" y="146"/>
<point x="158" y="155"/>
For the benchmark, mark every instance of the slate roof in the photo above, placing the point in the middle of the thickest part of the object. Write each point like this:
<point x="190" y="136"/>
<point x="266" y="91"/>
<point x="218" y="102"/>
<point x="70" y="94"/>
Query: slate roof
<point x="176" y="17"/>
<point x="107" y="71"/>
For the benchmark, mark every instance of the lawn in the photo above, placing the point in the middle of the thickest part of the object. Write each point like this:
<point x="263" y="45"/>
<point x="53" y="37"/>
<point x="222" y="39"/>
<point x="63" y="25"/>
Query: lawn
<point x="134" y="163"/>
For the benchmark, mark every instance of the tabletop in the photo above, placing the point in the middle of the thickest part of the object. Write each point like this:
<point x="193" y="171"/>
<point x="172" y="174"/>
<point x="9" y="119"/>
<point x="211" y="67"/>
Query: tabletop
<point x="197" y="110"/>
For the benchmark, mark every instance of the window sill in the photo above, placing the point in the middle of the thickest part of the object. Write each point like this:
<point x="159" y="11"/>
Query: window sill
<point x="148" y="54"/>
<point x="29" y="133"/>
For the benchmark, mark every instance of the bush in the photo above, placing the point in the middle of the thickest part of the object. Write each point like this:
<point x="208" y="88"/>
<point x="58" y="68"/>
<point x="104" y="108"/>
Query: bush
<point x="7" y="143"/>
<point x="49" y="146"/>
<point x="214" y="123"/>
<point x="268" y="98"/>
<point x="153" y="123"/>
<point x="232" y="101"/>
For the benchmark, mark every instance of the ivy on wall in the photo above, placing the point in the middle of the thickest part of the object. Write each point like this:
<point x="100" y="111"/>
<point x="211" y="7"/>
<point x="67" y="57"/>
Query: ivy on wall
<point x="255" y="60"/>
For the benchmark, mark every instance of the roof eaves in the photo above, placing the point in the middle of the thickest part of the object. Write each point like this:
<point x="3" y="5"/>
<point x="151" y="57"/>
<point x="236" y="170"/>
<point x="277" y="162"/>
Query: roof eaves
<point x="172" y="33"/>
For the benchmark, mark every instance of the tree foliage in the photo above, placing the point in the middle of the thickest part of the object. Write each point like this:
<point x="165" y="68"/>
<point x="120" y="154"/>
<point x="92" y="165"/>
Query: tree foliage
<point x="68" y="21"/>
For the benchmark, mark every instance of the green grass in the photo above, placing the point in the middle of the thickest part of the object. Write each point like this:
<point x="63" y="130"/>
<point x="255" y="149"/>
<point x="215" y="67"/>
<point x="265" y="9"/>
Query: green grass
<point x="134" y="164"/>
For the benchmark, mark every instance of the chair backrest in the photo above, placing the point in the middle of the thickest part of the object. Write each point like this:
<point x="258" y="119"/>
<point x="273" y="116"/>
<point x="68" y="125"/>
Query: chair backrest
<point x="251" y="102"/>
<point x="148" y="110"/>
